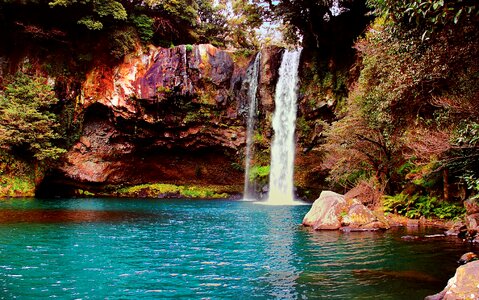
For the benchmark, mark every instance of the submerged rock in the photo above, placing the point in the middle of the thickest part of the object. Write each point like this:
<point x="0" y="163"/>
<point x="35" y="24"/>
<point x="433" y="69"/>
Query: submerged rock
<point x="409" y="275"/>
<point x="439" y="235"/>
<point x="456" y="229"/>
<point x="464" y="284"/>
<point x="332" y="211"/>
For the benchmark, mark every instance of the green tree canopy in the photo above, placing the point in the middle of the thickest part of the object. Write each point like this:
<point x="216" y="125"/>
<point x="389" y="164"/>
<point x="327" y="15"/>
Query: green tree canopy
<point x="27" y="124"/>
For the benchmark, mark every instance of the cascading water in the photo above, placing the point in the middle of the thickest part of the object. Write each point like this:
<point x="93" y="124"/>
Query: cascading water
<point x="281" y="189"/>
<point x="252" y="79"/>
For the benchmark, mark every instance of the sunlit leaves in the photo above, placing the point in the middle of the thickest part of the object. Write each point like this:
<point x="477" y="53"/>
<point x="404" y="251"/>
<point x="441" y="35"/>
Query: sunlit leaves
<point x="426" y="14"/>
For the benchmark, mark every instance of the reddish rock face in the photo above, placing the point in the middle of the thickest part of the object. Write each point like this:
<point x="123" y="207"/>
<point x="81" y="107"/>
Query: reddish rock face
<point x="112" y="153"/>
<point x="201" y="73"/>
<point x="170" y="115"/>
<point x="270" y="62"/>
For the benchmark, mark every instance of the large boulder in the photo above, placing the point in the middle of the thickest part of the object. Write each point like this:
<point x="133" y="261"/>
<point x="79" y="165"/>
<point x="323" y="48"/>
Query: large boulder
<point x="326" y="211"/>
<point x="464" y="284"/>
<point x="333" y="211"/>
<point x="457" y="228"/>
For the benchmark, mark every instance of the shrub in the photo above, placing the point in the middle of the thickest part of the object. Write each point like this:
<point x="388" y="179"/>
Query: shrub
<point x="259" y="173"/>
<point x="415" y="206"/>
<point x="144" y="27"/>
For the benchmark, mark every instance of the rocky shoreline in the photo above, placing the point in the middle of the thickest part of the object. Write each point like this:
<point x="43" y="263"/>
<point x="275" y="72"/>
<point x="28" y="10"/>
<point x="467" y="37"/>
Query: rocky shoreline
<point x="332" y="211"/>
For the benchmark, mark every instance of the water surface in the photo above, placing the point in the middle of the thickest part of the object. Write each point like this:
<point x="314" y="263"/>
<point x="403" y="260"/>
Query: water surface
<point x="156" y="249"/>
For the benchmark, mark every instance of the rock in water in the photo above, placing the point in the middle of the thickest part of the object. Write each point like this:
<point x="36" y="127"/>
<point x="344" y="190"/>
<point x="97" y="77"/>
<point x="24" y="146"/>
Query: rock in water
<point x="467" y="257"/>
<point x="464" y="284"/>
<point x="456" y="229"/>
<point x="325" y="212"/>
<point x="333" y="211"/>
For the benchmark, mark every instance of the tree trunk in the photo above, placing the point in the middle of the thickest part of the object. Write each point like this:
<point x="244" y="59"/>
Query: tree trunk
<point x="445" y="182"/>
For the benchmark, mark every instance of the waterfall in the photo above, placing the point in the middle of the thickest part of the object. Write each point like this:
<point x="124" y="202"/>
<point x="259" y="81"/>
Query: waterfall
<point x="252" y="79"/>
<point x="281" y="189"/>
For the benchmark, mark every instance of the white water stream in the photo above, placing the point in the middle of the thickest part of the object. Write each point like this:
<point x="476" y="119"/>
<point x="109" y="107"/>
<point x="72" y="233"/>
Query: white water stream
<point x="281" y="188"/>
<point x="252" y="79"/>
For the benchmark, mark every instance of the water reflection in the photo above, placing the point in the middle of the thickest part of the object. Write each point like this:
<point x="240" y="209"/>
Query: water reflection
<point x="66" y="216"/>
<point x="279" y="242"/>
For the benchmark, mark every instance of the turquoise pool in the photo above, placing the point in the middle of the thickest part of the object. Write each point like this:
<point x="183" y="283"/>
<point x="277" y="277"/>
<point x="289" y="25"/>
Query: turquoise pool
<point x="156" y="249"/>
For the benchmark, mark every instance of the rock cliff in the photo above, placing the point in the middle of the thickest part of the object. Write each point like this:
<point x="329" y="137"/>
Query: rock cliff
<point x="163" y="115"/>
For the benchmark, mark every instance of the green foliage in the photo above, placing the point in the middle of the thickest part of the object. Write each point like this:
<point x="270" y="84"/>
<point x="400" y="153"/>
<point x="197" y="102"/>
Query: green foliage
<point x="259" y="172"/>
<point x="212" y="27"/>
<point x="90" y="23"/>
<point x="99" y="9"/>
<point x="467" y="134"/>
<point x="427" y="15"/>
<point x="303" y="127"/>
<point x="416" y="206"/>
<point x="85" y="193"/>
<point x="144" y="26"/>
<point x="464" y="159"/>
<point x="243" y="21"/>
<point x="185" y="10"/>
<point x="110" y="8"/>
<point x="158" y="22"/>
<point x="189" y="48"/>
<point x="197" y="114"/>
<point x="472" y="181"/>
<point x="403" y="119"/>
<point x="322" y="85"/>
<point x="17" y="177"/>
<point x="27" y="122"/>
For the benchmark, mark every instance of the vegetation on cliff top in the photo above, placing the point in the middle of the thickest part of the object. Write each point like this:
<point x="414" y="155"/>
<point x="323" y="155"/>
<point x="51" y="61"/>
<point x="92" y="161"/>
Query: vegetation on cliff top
<point x="124" y="23"/>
